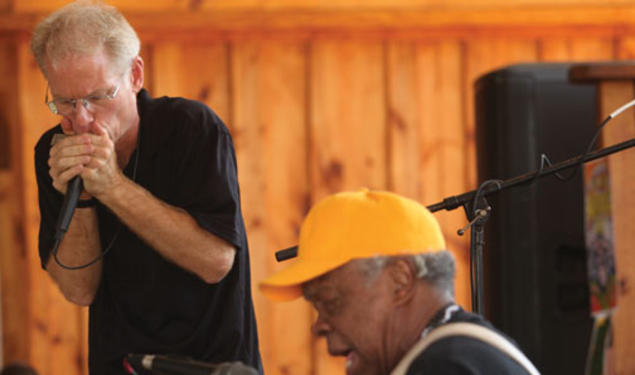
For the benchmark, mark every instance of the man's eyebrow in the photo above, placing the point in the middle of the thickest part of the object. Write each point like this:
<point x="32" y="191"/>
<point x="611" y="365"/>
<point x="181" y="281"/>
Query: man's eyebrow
<point x="308" y="292"/>
<point x="92" y="93"/>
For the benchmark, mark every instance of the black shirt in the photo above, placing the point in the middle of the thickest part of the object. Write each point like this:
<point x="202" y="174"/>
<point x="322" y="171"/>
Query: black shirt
<point x="146" y="304"/>
<point x="460" y="355"/>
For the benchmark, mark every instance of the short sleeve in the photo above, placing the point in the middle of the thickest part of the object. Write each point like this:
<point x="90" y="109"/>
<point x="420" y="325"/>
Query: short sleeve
<point x="49" y="199"/>
<point x="208" y="188"/>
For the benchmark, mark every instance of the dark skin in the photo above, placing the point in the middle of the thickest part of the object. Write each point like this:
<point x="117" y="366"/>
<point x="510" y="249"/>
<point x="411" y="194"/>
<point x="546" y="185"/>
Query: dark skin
<point x="373" y="322"/>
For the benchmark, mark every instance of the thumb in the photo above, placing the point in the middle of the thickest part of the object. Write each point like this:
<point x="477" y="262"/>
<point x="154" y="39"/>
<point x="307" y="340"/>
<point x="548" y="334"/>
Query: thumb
<point x="99" y="129"/>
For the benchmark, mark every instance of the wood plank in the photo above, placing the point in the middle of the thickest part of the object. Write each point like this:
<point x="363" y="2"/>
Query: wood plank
<point x="215" y="5"/>
<point x="6" y="6"/>
<point x="625" y="48"/>
<point x="575" y="49"/>
<point x="348" y="129"/>
<point x="404" y="118"/>
<point x="444" y="144"/>
<point x="269" y="104"/>
<point x="398" y="4"/>
<point x="13" y="262"/>
<point x="426" y="135"/>
<point x="47" y="6"/>
<point x="205" y="79"/>
<point x="622" y="179"/>
<point x="348" y="116"/>
<point x="535" y="21"/>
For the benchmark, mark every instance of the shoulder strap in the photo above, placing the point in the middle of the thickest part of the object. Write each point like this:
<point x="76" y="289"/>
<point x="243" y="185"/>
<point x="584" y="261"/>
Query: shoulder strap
<point x="470" y="330"/>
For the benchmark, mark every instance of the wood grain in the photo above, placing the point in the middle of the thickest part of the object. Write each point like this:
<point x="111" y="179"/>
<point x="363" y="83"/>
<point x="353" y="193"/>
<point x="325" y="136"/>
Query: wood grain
<point x="270" y="130"/>
<point x="348" y="136"/>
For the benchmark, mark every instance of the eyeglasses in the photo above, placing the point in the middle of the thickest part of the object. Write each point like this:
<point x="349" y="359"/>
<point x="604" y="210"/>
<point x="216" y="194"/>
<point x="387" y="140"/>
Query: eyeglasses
<point x="92" y="102"/>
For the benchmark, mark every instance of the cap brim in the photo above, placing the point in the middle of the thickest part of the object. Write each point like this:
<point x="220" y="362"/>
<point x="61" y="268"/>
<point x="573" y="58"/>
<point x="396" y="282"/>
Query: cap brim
<point x="286" y="284"/>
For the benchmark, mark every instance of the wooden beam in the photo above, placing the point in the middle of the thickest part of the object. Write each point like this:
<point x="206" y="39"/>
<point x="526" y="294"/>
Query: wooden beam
<point x="621" y="70"/>
<point x="539" y="18"/>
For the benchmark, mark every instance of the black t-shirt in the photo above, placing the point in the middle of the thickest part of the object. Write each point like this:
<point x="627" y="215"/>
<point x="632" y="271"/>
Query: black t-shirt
<point x="146" y="304"/>
<point x="460" y="355"/>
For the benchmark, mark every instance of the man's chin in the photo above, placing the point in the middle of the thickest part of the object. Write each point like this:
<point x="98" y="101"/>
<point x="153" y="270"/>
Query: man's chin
<point x="356" y="366"/>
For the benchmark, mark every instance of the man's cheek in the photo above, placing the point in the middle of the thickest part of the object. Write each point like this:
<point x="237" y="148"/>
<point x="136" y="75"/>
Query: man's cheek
<point x="67" y="126"/>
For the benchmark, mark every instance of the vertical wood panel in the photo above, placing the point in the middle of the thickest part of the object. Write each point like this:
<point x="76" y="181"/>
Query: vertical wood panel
<point x="426" y="135"/>
<point x="347" y="116"/>
<point x="444" y="143"/>
<point x="575" y="49"/>
<point x="625" y="49"/>
<point x="31" y="124"/>
<point x="348" y="129"/>
<point x="404" y="119"/>
<point x="194" y="71"/>
<point x="127" y="5"/>
<point x="269" y="89"/>
<point x="13" y="258"/>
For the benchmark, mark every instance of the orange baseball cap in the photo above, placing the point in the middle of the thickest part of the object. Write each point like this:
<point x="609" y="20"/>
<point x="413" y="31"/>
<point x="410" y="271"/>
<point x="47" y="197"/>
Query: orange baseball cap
<point x="354" y="225"/>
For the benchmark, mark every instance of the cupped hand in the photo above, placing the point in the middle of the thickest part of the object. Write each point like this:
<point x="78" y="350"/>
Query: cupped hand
<point x="101" y="172"/>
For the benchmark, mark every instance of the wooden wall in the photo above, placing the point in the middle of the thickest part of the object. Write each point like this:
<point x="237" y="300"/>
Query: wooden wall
<point x="320" y="97"/>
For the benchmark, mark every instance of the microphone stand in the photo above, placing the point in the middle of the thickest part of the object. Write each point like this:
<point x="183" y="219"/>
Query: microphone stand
<point x="478" y="210"/>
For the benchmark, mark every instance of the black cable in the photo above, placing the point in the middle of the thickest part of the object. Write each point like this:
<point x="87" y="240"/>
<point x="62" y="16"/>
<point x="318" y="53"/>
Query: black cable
<point x="544" y="159"/>
<point x="101" y="256"/>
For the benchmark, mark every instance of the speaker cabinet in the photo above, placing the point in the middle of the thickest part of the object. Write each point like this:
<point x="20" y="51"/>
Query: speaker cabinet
<point x="535" y="286"/>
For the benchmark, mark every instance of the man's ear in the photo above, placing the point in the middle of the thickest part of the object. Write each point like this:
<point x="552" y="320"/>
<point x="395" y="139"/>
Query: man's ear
<point x="404" y="280"/>
<point x="136" y="75"/>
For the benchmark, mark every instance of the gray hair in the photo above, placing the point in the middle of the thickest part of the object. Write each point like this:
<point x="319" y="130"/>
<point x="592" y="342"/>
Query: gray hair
<point x="438" y="268"/>
<point x="84" y="28"/>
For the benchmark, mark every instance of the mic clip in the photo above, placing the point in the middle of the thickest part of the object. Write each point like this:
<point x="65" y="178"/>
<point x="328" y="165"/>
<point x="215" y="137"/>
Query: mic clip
<point x="477" y="212"/>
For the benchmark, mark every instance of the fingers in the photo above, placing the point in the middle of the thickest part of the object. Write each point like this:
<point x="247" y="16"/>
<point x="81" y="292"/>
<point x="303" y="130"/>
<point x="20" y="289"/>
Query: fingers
<point x="90" y="155"/>
<point x="60" y="182"/>
<point x="67" y="158"/>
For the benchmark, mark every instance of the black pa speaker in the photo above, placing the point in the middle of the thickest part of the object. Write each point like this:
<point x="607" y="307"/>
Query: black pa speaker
<point x="535" y="286"/>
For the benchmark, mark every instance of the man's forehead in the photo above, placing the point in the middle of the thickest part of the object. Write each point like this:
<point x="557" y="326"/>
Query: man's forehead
<point x="312" y="289"/>
<point x="331" y="283"/>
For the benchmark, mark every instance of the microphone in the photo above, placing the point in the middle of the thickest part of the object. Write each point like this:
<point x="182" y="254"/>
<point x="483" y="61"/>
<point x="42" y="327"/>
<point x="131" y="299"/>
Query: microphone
<point x="164" y="365"/>
<point x="74" y="189"/>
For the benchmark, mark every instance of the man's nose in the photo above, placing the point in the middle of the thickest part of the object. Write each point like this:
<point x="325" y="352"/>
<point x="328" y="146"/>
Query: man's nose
<point x="82" y="119"/>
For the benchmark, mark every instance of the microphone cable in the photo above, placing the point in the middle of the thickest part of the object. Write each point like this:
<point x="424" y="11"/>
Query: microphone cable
<point x="544" y="159"/>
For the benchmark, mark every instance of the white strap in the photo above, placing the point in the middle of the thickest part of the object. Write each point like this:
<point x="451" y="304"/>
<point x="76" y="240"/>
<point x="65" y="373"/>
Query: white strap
<point x="470" y="330"/>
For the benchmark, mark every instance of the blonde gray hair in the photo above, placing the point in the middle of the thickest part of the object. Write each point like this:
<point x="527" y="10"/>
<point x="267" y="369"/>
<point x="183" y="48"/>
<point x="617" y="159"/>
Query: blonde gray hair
<point x="85" y="28"/>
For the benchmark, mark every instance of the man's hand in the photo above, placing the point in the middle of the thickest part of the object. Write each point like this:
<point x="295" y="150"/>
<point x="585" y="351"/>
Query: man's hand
<point x="102" y="172"/>
<point x="91" y="156"/>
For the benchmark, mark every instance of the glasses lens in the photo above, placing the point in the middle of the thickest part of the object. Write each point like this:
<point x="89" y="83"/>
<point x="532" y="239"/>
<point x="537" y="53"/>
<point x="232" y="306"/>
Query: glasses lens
<point x="52" y="107"/>
<point x="64" y="107"/>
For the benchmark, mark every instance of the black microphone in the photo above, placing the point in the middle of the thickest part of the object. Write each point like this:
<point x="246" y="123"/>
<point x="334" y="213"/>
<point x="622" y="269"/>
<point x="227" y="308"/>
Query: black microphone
<point x="160" y="364"/>
<point x="73" y="190"/>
